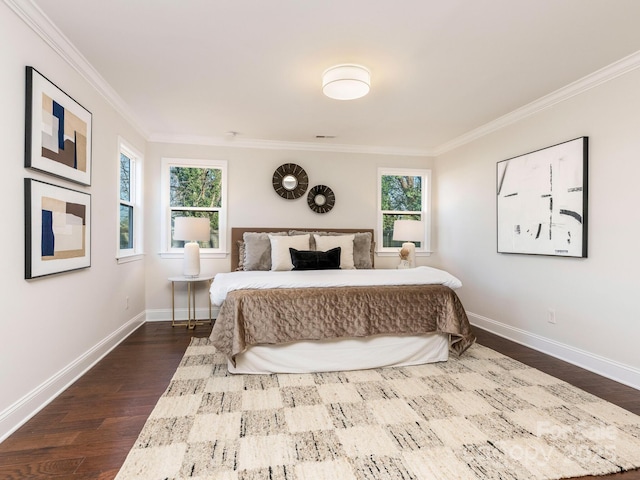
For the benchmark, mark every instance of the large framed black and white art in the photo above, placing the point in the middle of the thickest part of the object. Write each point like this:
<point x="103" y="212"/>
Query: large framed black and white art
<point x="542" y="201"/>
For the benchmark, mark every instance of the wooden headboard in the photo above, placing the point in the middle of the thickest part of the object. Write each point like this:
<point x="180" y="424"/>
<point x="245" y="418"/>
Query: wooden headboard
<point x="238" y="232"/>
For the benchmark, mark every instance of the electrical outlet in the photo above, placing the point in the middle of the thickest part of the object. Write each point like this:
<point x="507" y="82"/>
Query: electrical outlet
<point x="551" y="316"/>
<point x="126" y="303"/>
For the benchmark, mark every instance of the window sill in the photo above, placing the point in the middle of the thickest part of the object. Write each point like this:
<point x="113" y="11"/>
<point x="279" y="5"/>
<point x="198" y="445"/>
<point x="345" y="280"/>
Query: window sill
<point x="180" y="255"/>
<point x="386" y="253"/>
<point x="129" y="258"/>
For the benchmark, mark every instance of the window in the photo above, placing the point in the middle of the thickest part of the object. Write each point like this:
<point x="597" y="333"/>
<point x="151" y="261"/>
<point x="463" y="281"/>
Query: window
<point x="129" y="206"/>
<point x="194" y="188"/>
<point x="403" y="194"/>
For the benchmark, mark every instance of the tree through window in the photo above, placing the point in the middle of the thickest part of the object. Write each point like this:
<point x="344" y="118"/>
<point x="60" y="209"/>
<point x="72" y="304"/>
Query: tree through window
<point x="130" y="216"/>
<point x="402" y="195"/>
<point x="126" y="204"/>
<point x="196" y="192"/>
<point x="195" y="188"/>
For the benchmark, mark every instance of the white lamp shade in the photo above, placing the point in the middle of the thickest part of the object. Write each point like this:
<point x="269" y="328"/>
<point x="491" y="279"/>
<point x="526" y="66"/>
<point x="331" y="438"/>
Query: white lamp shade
<point x="408" y="231"/>
<point x="191" y="229"/>
<point x="346" y="82"/>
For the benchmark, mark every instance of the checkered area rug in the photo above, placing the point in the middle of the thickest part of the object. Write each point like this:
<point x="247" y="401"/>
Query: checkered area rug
<point x="479" y="416"/>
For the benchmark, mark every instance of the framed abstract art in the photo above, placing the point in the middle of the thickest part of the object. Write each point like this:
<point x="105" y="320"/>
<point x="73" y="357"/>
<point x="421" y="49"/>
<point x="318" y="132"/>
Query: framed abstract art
<point x="542" y="201"/>
<point x="57" y="229"/>
<point x="57" y="131"/>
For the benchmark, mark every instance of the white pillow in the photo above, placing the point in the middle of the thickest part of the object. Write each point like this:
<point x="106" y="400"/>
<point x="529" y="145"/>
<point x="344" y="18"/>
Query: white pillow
<point x="280" y="255"/>
<point x="345" y="242"/>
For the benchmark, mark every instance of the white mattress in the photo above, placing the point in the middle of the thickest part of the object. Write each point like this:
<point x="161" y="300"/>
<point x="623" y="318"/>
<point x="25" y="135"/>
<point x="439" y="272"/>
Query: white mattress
<point x="224" y="283"/>
<point x="343" y="354"/>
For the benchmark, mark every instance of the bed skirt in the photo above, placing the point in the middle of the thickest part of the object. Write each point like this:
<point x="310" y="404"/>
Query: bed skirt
<point x="343" y="354"/>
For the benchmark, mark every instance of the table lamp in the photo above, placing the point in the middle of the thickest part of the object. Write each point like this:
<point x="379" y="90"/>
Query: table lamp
<point x="409" y="231"/>
<point x="191" y="230"/>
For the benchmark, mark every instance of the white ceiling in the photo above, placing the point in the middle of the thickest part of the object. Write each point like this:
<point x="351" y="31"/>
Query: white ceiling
<point x="440" y="68"/>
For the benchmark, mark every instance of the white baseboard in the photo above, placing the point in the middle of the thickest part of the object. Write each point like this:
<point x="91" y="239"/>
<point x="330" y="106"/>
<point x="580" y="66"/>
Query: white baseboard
<point x="165" y="314"/>
<point x="606" y="367"/>
<point x="21" y="411"/>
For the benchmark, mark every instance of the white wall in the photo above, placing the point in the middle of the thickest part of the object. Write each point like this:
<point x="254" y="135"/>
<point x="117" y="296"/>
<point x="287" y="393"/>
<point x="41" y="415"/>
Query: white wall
<point x="53" y="328"/>
<point x="254" y="203"/>
<point x="595" y="299"/>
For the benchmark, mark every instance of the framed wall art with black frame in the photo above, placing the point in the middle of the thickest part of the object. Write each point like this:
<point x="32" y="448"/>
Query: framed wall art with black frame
<point x="542" y="201"/>
<point x="57" y="131"/>
<point x="57" y="229"/>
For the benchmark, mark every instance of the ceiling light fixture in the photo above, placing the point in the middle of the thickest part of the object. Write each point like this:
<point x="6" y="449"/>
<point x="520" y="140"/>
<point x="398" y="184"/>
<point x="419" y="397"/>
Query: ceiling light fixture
<point x="346" y="82"/>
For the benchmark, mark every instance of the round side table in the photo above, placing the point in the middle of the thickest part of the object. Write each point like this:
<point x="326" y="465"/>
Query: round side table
<point x="191" y="321"/>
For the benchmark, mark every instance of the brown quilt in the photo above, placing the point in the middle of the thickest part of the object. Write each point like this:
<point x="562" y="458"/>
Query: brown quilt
<point x="272" y="316"/>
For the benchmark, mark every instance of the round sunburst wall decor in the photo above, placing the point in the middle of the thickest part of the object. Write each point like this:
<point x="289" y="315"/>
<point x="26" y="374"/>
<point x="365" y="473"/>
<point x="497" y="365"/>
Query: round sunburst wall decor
<point x="321" y="199"/>
<point x="290" y="181"/>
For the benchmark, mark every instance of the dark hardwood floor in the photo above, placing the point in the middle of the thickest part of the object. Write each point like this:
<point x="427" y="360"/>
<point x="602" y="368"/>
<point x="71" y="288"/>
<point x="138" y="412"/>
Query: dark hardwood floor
<point x="88" y="430"/>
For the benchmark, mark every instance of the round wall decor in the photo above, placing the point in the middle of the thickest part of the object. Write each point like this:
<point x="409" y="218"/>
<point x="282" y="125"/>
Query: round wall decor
<point x="290" y="181"/>
<point x="321" y="199"/>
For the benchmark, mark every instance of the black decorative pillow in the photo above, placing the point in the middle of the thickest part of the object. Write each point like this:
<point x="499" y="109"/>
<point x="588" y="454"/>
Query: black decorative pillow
<point x="314" y="260"/>
<point x="363" y="246"/>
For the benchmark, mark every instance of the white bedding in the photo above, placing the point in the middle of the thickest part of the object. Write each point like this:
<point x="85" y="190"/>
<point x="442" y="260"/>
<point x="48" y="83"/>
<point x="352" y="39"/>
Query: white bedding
<point x="228" y="282"/>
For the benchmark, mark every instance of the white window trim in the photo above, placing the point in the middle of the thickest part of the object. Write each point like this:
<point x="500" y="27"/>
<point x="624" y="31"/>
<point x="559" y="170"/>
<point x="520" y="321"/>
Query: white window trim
<point x="135" y="253"/>
<point x="425" y="247"/>
<point x="166" y="251"/>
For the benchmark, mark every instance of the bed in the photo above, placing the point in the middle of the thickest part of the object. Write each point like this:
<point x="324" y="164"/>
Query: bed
<point x="275" y="318"/>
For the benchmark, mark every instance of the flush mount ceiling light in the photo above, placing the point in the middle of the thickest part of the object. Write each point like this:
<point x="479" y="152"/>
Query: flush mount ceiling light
<point x="346" y="82"/>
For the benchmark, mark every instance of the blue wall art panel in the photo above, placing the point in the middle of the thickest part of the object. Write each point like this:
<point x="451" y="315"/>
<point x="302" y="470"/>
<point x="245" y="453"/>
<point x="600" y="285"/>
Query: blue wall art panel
<point x="58" y="229"/>
<point x="58" y="131"/>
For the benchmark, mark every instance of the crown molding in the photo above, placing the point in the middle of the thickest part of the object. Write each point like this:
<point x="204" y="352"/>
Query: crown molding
<point x="606" y="74"/>
<point x="38" y="21"/>
<point x="283" y="145"/>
